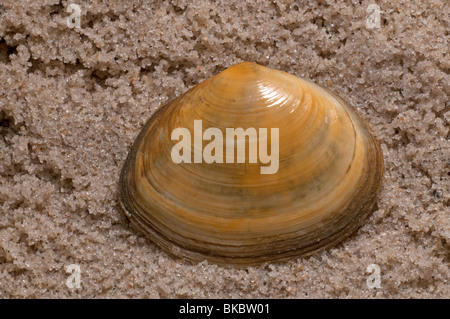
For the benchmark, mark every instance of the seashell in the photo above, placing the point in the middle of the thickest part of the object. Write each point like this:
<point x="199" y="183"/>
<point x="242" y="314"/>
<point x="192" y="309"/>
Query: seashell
<point x="289" y="195"/>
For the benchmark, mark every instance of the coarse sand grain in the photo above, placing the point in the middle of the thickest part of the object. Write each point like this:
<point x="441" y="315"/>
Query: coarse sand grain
<point x="72" y="100"/>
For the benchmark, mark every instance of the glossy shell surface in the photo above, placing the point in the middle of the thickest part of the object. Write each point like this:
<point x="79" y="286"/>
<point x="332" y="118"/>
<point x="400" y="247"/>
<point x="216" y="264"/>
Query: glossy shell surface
<point x="330" y="167"/>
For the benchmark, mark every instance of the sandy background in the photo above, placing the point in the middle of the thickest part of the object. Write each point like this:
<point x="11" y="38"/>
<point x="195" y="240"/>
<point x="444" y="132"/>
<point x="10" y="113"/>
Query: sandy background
<point x="73" y="100"/>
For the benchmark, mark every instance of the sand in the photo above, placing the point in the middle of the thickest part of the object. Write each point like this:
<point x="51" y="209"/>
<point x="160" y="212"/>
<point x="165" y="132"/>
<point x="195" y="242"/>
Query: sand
<point x="72" y="100"/>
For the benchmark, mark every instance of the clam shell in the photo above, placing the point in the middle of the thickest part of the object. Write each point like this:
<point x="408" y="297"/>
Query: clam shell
<point x="330" y="167"/>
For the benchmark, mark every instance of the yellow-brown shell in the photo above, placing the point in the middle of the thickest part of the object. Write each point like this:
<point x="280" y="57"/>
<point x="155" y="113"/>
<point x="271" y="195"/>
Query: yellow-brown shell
<point x="330" y="170"/>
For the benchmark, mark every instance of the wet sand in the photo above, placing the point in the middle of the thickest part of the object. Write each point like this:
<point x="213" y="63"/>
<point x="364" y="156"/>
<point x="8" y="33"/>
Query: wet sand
<point x="72" y="100"/>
